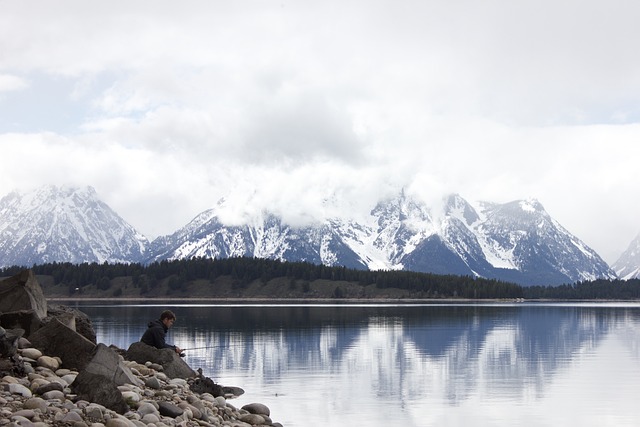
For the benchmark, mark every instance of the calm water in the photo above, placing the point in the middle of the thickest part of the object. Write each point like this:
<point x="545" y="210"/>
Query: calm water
<point x="418" y="365"/>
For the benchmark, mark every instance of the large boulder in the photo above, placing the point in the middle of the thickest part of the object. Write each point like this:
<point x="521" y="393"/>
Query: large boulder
<point x="22" y="292"/>
<point x="56" y="339"/>
<point x="9" y="341"/>
<point x="27" y="320"/>
<point x="173" y="366"/>
<point x="98" y="389"/>
<point x="10" y="363"/>
<point x="108" y="363"/>
<point x="74" y="319"/>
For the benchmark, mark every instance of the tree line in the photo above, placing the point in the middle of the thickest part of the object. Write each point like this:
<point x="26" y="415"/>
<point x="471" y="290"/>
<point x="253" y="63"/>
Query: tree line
<point x="244" y="270"/>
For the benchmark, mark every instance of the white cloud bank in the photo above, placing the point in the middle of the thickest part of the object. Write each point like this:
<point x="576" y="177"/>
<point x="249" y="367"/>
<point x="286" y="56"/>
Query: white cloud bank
<point x="166" y="107"/>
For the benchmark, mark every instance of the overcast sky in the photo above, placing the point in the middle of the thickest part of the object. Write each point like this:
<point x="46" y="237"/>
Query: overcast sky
<point x="164" y="107"/>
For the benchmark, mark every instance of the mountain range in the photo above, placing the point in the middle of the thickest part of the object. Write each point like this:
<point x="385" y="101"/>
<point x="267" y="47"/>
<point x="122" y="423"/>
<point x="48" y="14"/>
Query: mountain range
<point x="517" y="241"/>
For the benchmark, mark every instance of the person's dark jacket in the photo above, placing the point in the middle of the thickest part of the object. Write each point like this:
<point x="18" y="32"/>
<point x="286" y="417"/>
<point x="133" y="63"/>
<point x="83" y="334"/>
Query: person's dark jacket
<point x="154" y="335"/>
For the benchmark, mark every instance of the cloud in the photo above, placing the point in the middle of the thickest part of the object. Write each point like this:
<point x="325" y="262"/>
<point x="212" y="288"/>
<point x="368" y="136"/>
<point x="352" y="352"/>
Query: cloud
<point x="12" y="83"/>
<point x="307" y="106"/>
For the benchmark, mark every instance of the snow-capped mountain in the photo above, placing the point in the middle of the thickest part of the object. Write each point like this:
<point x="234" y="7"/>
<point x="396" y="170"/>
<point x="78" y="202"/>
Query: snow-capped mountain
<point x="628" y="265"/>
<point x="264" y="237"/>
<point x="516" y="241"/>
<point x="64" y="224"/>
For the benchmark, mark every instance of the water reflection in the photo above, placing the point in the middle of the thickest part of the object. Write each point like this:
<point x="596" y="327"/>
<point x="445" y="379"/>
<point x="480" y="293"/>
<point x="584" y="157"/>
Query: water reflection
<point x="416" y="365"/>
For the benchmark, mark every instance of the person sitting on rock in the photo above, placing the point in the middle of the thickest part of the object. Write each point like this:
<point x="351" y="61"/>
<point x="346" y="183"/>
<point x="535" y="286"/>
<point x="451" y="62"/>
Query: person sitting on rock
<point x="154" y="335"/>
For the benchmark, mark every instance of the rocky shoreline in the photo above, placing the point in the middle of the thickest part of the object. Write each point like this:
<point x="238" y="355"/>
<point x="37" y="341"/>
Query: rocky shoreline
<point x="44" y="397"/>
<point x="53" y="372"/>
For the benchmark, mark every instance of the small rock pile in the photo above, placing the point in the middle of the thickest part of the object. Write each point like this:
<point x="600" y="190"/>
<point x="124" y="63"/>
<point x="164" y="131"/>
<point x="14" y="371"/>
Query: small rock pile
<point x="45" y="397"/>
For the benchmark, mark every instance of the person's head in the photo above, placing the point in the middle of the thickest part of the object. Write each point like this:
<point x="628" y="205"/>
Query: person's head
<point x="167" y="318"/>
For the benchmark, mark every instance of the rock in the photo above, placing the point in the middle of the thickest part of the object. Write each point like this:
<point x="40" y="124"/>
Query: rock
<point x="23" y="319"/>
<point x="22" y="292"/>
<point x="9" y="341"/>
<point x="27" y="413"/>
<point x="55" y="339"/>
<point x="106" y="362"/>
<point x="202" y="384"/>
<point x="152" y="382"/>
<point x="54" y="394"/>
<point x="253" y="419"/>
<point x="172" y="365"/>
<point x="71" y="417"/>
<point x="257" y="408"/>
<point x="169" y="409"/>
<point x="232" y="391"/>
<point x="36" y="403"/>
<point x="31" y="353"/>
<point x="49" y="387"/>
<point x="81" y="322"/>
<point x="95" y="388"/>
<point x="18" y="389"/>
<point x="48" y="362"/>
<point x="118" y="422"/>
<point x="146" y="408"/>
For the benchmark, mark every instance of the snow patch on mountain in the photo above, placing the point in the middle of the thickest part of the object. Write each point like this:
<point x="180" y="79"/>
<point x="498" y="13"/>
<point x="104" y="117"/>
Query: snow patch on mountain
<point x="628" y="265"/>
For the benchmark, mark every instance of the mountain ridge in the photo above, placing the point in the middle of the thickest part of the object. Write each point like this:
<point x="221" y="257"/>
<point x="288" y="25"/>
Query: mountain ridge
<point x="516" y="241"/>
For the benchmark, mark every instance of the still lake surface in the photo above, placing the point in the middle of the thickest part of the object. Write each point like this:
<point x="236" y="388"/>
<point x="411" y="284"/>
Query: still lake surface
<point x="521" y="364"/>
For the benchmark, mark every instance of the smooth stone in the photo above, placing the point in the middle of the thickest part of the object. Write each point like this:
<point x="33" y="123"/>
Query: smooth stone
<point x="32" y="353"/>
<point x="51" y="386"/>
<point x="178" y="381"/>
<point x="152" y="382"/>
<point x="150" y="418"/>
<point x="54" y="394"/>
<point x="118" y="422"/>
<point x="155" y="367"/>
<point x="36" y="403"/>
<point x="257" y="408"/>
<point x="131" y="396"/>
<point x="169" y="409"/>
<point x="71" y="417"/>
<point x="94" y="412"/>
<point x="146" y="408"/>
<point x="252" y="419"/>
<point x="21" y="421"/>
<point x="27" y="413"/>
<point x="19" y="389"/>
<point x="10" y="380"/>
<point x="69" y="378"/>
<point x="48" y="362"/>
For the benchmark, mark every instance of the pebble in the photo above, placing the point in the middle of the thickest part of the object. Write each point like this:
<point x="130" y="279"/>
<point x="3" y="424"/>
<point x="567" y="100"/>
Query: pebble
<point x="43" y="398"/>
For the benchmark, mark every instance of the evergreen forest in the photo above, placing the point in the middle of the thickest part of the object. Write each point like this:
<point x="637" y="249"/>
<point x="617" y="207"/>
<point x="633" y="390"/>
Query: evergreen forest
<point x="244" y="277"/>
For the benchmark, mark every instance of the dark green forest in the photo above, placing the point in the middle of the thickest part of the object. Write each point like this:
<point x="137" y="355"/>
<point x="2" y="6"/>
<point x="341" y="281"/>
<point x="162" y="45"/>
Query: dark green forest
<point x="177" y="278"/>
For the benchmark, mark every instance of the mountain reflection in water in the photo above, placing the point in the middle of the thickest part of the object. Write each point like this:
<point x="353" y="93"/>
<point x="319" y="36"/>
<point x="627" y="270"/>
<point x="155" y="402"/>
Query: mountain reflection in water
<point x="411" y="365"/>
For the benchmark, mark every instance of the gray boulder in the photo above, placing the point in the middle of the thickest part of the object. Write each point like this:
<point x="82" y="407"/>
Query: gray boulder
<point x="9" y="341"/>
<point x="107" y="362"/>
<point x="10" y="363"/>
<point x="172" y="365"/>
<point x="74" y="319"/>
<point x="56" y="339"/>
<point x="27" y="320"/>
<point x="22" y="292"/>
<point x="98" y="389"/>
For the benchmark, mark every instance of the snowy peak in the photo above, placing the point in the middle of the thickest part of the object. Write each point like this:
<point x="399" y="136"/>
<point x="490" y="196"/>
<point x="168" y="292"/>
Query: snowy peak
<point x="628" y="265"/>
<point x="516" y="241"/>
<point x="64" y="224"/>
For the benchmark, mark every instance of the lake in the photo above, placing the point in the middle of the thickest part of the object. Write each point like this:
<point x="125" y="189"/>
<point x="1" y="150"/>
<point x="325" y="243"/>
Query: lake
<point x="520" y="364"/>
